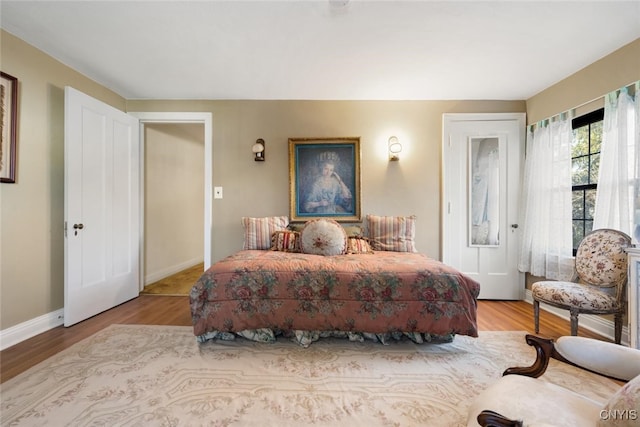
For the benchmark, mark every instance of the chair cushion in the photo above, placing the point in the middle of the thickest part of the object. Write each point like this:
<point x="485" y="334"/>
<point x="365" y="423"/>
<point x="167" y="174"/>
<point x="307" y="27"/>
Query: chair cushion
<point x="606" y="358"/>
<point x="571" y="294"/>
<point x="623" y="409"/>
<point x="536" y="402"/>
<point x="601" y="259"/>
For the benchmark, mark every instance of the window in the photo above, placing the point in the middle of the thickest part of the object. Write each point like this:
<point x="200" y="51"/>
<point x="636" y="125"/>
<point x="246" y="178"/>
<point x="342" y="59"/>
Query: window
<point x="585" y="166"/>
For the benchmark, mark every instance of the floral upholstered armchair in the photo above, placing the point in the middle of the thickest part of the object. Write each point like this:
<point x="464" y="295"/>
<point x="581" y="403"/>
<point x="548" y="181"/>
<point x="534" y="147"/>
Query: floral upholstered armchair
<point x="520" y="398"/>
<point x="601" y="268"/>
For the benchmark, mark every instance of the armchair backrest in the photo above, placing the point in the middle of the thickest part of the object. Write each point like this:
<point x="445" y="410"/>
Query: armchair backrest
<point x="601" y="259"/>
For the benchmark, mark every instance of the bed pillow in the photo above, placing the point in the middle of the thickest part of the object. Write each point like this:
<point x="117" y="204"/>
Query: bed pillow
<point x="392" y="233"/>
<point x="323" y="237"/>
<point x="258" y="231"/>
<point x="358" y="245"/>
<point x="295" y="227"/>
<point x="285" y="241"/>
<point x="353" y="230"/>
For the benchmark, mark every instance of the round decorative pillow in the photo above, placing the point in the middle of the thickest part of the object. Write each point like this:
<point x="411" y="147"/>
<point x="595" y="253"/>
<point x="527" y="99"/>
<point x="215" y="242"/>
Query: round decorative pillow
<point x="323" y="237"/>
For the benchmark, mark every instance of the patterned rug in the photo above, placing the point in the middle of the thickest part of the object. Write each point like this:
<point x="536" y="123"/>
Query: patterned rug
<point x="178" y="284"/>
<point x="133" y="375"/>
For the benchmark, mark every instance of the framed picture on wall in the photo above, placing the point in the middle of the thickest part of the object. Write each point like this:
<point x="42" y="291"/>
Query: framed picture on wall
<point x="8" y="124"/>
<point x="324" y="179"/>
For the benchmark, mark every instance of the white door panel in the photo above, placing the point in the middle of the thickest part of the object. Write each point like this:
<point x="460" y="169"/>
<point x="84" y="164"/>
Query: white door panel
<point x="480" y="234"/>
<point x="101" y="207"/>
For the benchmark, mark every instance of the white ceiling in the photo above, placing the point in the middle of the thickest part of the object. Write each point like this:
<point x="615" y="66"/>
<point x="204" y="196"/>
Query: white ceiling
<point x="327" y="49"/>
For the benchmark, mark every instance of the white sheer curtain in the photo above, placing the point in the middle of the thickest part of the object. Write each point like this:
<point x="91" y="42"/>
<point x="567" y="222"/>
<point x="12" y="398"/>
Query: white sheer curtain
<point x="618" y="163"/>
<point x="547" y="244"/>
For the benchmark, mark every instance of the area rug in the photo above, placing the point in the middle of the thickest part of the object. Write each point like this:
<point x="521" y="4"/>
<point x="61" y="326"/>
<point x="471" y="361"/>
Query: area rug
<point x="133" y="375"/>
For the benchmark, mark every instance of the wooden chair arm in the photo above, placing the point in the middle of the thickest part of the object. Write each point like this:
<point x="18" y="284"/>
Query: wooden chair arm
<point x="545" y="350"/>
<point x="493" y="419"/>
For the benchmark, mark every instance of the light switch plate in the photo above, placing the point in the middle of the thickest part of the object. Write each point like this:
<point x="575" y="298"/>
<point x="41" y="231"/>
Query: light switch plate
<point x="217" y="192"/>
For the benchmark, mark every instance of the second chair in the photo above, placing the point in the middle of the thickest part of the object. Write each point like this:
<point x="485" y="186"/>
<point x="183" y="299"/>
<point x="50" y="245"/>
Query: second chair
<point x="601" y="268"/>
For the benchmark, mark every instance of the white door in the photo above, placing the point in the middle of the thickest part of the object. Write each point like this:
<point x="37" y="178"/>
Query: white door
<point x="482" y="159"/>
<point x="102" y="188"/>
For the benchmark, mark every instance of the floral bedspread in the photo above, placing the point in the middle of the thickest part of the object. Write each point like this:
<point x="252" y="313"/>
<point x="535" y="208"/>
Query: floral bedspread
<point x="255" y="293"/>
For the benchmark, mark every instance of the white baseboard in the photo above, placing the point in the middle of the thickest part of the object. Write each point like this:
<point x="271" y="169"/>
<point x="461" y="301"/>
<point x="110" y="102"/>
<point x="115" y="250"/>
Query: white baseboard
<point x="18" y="333"/>
<point x="30" y="328"/>
<point x="166" y="272"/>
<point x="592" y="322"/>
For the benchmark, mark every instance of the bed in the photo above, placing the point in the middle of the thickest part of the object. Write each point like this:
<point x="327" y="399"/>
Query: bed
<point x="260" y="294"/>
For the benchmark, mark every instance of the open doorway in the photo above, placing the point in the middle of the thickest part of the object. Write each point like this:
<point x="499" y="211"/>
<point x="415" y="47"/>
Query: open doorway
<point x="178" y="118"/>
<point x="173" y="199"/>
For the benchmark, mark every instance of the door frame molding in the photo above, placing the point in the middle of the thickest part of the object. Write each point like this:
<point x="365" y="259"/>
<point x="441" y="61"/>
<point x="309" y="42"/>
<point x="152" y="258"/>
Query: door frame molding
<point x="180" y="118"/>
<point x="448" y="122"/>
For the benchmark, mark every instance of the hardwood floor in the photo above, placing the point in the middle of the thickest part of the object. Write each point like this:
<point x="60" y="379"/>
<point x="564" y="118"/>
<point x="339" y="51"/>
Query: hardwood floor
<point x="171" y="310"/>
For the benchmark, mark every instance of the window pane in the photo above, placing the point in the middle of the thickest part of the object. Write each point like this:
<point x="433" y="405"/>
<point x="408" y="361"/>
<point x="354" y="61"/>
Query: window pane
<point x="596" y="136"/>
<point x="578" y="233"/>
<point x="580" y="171"/>
<point x="585" y="152"/>
<point x="588" y="227"/>
<point x="580" y="143"/>
<point x="578" y="204"/>
<point x="595" y="169"/>
<point x="590" y="203"/>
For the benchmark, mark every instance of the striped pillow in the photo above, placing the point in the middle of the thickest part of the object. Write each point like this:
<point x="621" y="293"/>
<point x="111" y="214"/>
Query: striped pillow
<point x="285" y="241"/>
<point x="358" y="245"/>
<point x="258" y="231"/>
<point x="392" y="233"/>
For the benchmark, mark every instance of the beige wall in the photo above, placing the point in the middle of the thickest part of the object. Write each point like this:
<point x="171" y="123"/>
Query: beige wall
<point x="31" y="211"/>
<point x="410" y="186"/>
<point x="173" y="198"/>
<point x="589" y="84"/>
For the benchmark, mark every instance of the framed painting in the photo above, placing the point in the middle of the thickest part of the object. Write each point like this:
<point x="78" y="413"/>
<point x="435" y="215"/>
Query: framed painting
<point x="324" y="179"/>
<point x="8" y="124"/>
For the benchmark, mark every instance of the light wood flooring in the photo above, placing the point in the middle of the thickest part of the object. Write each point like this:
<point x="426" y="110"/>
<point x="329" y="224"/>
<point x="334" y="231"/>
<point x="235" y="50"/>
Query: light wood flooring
<point x="177" y="284"/>
<point x="172" y="310"/>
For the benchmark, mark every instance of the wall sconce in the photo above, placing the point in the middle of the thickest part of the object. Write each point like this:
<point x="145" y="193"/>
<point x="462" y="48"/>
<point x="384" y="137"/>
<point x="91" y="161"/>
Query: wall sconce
<point x="258" y="150"/>
<point x="394" y="148"/>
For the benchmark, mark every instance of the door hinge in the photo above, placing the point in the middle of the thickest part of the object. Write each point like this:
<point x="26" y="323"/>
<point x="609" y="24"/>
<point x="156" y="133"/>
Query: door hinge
<point x="65" y="229"/>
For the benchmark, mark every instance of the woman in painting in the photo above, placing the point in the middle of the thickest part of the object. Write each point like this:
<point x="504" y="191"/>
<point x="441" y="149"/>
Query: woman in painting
<point x="328" y="194"/>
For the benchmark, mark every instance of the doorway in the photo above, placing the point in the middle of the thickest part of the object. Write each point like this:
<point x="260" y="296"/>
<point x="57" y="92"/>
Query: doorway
<point x="173" y="198"/>
<point x="481" y="163"/>
<point x="178" y="118"/>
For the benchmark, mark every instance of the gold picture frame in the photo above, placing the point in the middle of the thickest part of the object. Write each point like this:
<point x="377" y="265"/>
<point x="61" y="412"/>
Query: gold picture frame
<point x="8" y="127"/>
<point x="324" y="179"/>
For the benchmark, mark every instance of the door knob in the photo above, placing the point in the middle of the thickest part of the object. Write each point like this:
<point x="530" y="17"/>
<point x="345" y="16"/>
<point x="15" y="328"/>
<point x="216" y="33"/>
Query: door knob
<point x="77" y="227"/>
<point x="512" y="225"/>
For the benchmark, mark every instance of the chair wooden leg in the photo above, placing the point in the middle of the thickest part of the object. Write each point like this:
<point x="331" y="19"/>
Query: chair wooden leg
<point x="573" y="313"/>
<point x="536" y="315"/>
<point x="618" y="327"/>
